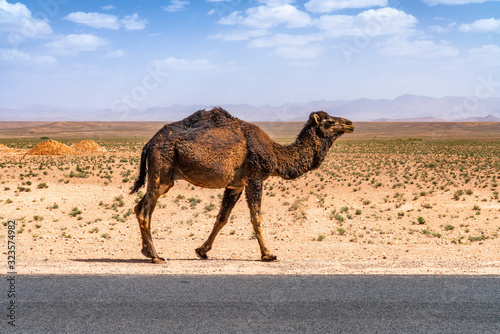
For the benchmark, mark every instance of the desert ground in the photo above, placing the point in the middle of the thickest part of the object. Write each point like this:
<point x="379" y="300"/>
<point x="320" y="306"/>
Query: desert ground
<point x="406" y="198"/>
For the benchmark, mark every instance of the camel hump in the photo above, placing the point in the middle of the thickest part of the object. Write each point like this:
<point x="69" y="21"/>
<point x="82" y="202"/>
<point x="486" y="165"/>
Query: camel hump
<point x="214" y="117"/>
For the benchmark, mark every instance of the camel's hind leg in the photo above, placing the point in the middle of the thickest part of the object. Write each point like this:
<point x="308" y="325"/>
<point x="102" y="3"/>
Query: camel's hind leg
<point x="144" y="210"/>
<point x="254" y="199"/>
<point x="230" y="198"/>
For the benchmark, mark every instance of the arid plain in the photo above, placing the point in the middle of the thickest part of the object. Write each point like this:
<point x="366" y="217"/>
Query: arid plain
<point x="391" y="198"/>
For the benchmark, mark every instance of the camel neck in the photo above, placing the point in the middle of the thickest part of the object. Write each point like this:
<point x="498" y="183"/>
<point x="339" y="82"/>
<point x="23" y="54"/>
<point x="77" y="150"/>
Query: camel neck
<point x="305" y="154"/>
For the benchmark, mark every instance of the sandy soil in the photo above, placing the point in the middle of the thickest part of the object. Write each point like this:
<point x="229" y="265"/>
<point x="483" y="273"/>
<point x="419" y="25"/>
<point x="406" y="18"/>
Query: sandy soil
<point x="76" y="219"/>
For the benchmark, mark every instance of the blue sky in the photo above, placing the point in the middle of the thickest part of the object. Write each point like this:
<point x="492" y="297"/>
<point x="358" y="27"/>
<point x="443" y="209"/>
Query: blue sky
<point x="140" y="54"/>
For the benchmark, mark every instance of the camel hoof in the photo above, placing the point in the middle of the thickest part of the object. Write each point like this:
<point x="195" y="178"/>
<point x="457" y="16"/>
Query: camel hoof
<point x="146" y="253"/>
<point x="158" y="260"/>
<point x="269" y="258"/>
<point x="200" y="255"/>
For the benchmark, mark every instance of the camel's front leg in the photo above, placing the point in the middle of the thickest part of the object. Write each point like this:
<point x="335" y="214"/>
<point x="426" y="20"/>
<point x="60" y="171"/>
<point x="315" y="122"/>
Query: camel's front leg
<point x="230" y="198"/>
<point x="254" y="199"/>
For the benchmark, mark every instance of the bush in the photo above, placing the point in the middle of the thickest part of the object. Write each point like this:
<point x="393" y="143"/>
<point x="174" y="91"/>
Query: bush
<point x="75" y="212"/>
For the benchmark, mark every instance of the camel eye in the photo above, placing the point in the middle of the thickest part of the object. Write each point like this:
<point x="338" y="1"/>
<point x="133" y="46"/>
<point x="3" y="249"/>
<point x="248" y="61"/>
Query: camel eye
<point x="329" y="123"/>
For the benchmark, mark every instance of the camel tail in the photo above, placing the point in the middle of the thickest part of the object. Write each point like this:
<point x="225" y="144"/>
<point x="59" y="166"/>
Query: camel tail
<point x="143" y="171"/>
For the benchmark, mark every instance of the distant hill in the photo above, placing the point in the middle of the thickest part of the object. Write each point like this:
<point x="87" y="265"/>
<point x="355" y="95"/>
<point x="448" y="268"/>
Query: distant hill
<point x="281" y="131"/>
<point x="489" y="118"/>
<point x="415" y="119"/>
<point x="87" y="130"/>
<point x="405" y="108"/>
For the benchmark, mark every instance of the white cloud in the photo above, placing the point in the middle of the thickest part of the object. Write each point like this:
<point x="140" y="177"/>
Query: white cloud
<point x="285" y="39"/>
<point x="176" y="6"/>
<point x="418" y="48"/>
<point x="292" y="52"/>
<point x="94" y="20"/>
<point x="231" y="19"/>
<point x="276" y="2"/>
<point x="487" y="55"/>
<point x="370" y="23"/>
<point x="241" y="35"/>
<point x="115" y="54"/>
<point x="453" y="2"/>
<point x="484" y="25"/>
<point x="264" y="17"/>
<point x="443" y="29"/>
<point x="73" y="44"/>
<point x="172" y="63"/>
<point x="18" y="24"/>
<point x="291" y="46"/>
<point x="107" y="21"/>
<point x="108" y="7"/>
<point x="326" y="6"/>
<point x="22" y="58"/>
<point x="133" y="22"/>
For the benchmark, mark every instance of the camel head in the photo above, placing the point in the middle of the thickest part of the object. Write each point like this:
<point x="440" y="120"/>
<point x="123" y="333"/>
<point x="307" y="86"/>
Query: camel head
<point x="328" y="126"/>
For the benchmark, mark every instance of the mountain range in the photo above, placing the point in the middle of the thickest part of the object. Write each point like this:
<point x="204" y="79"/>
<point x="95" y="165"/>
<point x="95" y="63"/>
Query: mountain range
<point x="405" y="108"/>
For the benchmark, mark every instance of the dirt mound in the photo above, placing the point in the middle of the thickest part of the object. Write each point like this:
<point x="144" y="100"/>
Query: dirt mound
<point x="4" y="148"/>
<point x="87" y="146"/>
<point x="51" y="147"/>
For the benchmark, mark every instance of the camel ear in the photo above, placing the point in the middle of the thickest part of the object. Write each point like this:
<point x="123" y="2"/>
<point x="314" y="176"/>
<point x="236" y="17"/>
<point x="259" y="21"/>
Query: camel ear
<point x="314" y="118"/>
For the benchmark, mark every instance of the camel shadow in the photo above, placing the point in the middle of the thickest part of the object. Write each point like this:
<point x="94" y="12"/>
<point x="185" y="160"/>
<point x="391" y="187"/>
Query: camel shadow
<point x="109" y="260"/>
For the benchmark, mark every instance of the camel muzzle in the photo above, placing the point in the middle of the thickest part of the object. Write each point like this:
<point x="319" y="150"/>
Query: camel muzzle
<point x="348" y="129"/>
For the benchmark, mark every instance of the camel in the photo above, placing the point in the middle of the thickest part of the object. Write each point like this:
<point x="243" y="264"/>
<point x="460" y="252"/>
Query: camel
<point x="213" y="149"/>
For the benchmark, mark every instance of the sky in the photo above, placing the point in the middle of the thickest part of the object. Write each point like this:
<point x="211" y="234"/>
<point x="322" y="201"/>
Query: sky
<point x="140" y="54"/>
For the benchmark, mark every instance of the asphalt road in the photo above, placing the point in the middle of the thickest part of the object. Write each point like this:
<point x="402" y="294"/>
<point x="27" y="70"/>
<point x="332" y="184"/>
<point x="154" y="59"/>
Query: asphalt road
<point x="255" y="304"/>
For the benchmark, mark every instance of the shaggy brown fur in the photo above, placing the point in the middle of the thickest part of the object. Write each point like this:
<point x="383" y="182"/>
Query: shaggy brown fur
<point x="213" y="149"/>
